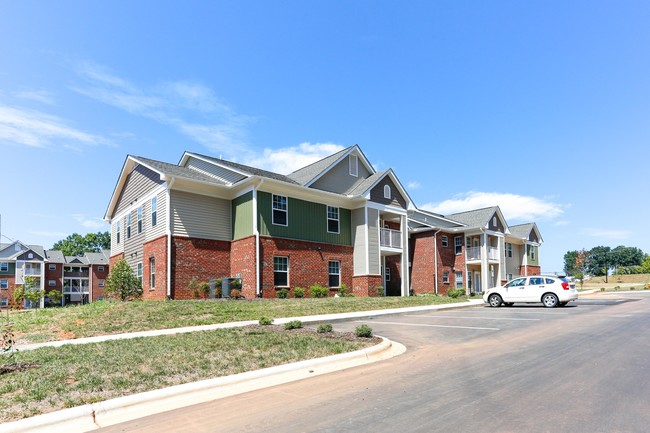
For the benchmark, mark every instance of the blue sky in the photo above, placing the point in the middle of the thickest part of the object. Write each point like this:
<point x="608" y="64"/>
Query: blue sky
<point x="540" y="107"/>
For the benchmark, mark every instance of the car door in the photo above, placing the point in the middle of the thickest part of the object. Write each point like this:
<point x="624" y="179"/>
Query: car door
<point x="514" y="290"/>
<point x="534" y="289"/>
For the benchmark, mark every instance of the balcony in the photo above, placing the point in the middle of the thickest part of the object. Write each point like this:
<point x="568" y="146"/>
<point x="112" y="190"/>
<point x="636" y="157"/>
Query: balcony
<point x="390" y="238"/>
<point x="32" y="271"/>
<point x="474" y="253"/>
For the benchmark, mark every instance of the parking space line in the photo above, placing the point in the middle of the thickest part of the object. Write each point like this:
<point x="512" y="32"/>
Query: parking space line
<point x="431" y="326"/>
<point x="479" y="317"/>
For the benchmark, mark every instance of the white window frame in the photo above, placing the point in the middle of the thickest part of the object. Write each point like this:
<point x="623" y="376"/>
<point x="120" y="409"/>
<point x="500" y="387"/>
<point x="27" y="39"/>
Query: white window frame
<point x="51" y="283"/>
<point x="333" y="214"/>
<point x="387" y="273"/>
<point x="337" y="272"/>
<point x="458" y="246"/>
<point x="154" y="211"/>
<point x="444" y="241"/>
<point x="128" y="225"/>
<point x="4" y="284"/>
<point x="509" y="250"/>
<point x="509" y="277"/>
<point x="139" y="272"/>
<point x="276" y="270"/>
<point x="51" y="267"/>
<point x="4" y="302"/>
<point x="152" y="273"/>
<point x="353" y="165"/>
<point x="387" y="192"/>
<point x="100" y="269"/>
<point x="140" y="219"/>
<point x="4" y="266"/>
<point x="100" y="283"/>
<point x="445" y="277"/>
<point x="280" y="208"/>
<point x="117" y="232"/>
<point x="459" y="280"/>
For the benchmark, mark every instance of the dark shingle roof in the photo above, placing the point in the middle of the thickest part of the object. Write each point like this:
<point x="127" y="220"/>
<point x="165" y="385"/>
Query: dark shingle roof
<point x="474" y="218"/>
<point x="178" y="171"/>
<point x="252" y="171"/>
<point x="306" y="174"/>
<point x="521" y="231"/>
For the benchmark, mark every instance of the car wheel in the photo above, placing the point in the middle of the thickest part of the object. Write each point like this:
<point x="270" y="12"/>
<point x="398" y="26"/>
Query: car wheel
<point x="550" y="300"/>
<point x="494" y="300"/>
<point x="508" y="304"/>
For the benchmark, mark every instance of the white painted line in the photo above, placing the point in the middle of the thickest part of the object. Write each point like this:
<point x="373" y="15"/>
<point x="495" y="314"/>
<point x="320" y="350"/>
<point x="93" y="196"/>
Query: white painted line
<point x="479" y="318"/>
<point x="430" y="326"/>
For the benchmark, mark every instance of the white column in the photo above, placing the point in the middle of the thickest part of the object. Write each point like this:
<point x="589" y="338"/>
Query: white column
<point x="485" y="268"/>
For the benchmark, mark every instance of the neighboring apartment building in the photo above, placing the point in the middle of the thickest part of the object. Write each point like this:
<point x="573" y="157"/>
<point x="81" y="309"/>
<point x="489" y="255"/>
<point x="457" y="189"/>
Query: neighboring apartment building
<point x="337" y="221"/>
<point x="79" y="279"/>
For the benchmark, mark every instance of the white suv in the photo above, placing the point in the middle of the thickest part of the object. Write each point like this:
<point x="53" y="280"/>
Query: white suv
<point x="550" y="291"/>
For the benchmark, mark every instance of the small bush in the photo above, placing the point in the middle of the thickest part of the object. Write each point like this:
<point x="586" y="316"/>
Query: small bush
<point x="205" y="288"/>
<point x="235" y="294"/>
<point x="266" y="321"/>
<point x="363" y="331"/>
<point x="344" y="292"/>
<point x="318" y="291"/>
<point x="282" y="294"/>
<point x="602" y="289"/>
<point x="299" y="292"/>
<point x="294" y="324"/>
<point x="324" y="327"/>
<point x="379" y="290"/>
<point x="455" y="293"/>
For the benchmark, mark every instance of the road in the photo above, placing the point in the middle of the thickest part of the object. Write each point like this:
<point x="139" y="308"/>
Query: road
<point x="582" y="368"/>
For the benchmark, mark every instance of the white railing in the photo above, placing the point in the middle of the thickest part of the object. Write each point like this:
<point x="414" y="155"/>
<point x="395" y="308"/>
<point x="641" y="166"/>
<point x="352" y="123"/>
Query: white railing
<point x="35" y="272"/>
<point x="474" y="253"/>
<point x="390" y="238"/>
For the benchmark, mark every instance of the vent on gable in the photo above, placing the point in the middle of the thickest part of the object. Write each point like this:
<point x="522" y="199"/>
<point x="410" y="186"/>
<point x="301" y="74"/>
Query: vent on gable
<point x="354" y="165"/>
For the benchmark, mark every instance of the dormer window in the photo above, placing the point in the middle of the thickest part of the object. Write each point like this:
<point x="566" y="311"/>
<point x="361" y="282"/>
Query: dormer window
<point x="387" y="192"/>
<point x="354" y="165"/>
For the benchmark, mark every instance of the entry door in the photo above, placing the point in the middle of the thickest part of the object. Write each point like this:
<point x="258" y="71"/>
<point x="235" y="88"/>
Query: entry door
<point x="477" y="282"/>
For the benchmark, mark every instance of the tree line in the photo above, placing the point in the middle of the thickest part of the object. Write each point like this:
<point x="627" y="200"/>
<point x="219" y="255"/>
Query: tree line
<point x="602" y="261"/>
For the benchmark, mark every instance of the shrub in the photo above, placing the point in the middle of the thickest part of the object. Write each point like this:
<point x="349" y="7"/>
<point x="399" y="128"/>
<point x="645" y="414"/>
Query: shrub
<point x="318" y="291"/>
<point x="455" y="293"/>
<point x="122" y="283"/>
<point x="380" y="290"/>
<point x="324" y="327"/>
<point x="282" y="294"/>
<point x="602" y="289"/>
<point x="205" y="288"/>
<point x="298" y="292"/>
<point x="344" y="292"/>
<point x="363" y="331"/>
<point x="294" y="324"/>
<point x="266" y="321"/>
<point x="235" y="294"/>
<point x="54" y="297"/>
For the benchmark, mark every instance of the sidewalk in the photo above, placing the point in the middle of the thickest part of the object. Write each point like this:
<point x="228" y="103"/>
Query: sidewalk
<point x="97" y="415"/>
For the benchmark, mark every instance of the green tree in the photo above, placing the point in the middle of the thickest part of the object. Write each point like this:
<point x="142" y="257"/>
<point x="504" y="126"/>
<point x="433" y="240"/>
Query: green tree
<point x="77" y="245"/>
<point x="645" y="266"/>
<point x="575" y="261"/>
<point x="627" y="256"/>
<point x="599" y="261"/>
<point x="28" y="292"/>
<point x="122" y="283"/>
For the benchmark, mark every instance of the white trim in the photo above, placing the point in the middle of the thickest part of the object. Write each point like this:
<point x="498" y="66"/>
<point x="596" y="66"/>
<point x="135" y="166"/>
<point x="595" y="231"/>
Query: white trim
<point x="286" y="211"/>
<point x="338" y="218"/>
<point x="168" y="230"/>
<point x="353" y="165"/>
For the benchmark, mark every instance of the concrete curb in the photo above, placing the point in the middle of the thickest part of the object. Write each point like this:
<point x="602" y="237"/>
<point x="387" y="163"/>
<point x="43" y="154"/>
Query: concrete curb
<point x="121" y="409"/>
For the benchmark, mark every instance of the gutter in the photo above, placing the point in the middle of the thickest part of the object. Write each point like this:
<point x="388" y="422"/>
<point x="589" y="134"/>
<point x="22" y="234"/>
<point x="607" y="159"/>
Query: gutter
<point x="170" y="183"/>
<point x="435" y="259"/>
<point x="258" y="289"/>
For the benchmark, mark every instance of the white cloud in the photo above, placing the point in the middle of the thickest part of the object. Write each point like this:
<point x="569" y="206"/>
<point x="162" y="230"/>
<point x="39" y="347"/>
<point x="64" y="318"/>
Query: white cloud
<point x="288" y="159"/>
<point x="42" y="96"/>
<point x="190" y="108"/>
<point x="606" y="233"/>
<point x="36" y="129"/>
<point x="514" y="207"/>
<point x="414" y="185"/>
<point x="90" y="223"/>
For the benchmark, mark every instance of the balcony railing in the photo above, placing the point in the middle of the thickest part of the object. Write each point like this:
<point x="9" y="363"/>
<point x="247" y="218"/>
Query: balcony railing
<point x="390" y="238"/>
<point x="474" y="253"/>
<point x="34" y="272"/>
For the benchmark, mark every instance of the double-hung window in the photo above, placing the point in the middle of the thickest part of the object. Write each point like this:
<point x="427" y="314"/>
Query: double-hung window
<point x="140" y="220"/>
<point x="458" y="244"/>
<point x="4" y="266"/>
<point x="152" y="273"/>
<point x="459" y="280"/>
<point x="387" y="274"/>
<point x="332" y="219"/>
<point x="4" y="302"/>
<point x="509" y="249"/>
<point x="154" y="212"/>
<point x="128" y="225"/>
<point x="445" y="277"/>
<point x="445" y="241"/>
<point x="280" y="210"/>
<point x="334" y="273"/>
<point x="4" y="284"/>
<point x="281" y="271"/>
<point x="140" y="273"/>
<point x="117" y="231"/>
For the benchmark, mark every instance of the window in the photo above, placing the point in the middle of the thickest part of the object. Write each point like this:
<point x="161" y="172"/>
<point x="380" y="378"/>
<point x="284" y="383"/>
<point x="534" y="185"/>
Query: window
<point x="459" y="280"/>
<point x="354" y="165"/>
<point x="100" y="269"/>
<point x="4" y="266"/>
<point x="536" y="281"/>
<point x="140" y="273"/>
<point x="280" y="213"/>
<point x="509" y="277"/>
<point x="128" y="226"/>
<point x="332" y="219"/>
<point x="51" y="283"/>
<point x="117" y="230"/>
<point x="4" y="284"/>
<point x="4" y="302"/>
<point x="281" y="271"/>
<point x="51" y="267"/>
<point x="445" y="277"/>
<point x="100" y="283"/>
<point x="458" y="244"/>
<point x="387" y="191"/>
<point x="154" y="212"/>
<point x="334" y="274"/>
<point x="494" y="221"/>
<point x="469" y="281"/>
<point x="152" y="273"/>
<point x="445" y="241"/>
<point x="387" y="274"/>
<point x="140" y="220"/>
<point x="509" y="249"/>
<point x="531" y="251"/>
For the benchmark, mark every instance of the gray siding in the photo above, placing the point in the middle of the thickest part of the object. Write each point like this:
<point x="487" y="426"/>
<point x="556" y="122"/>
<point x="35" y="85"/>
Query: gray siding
<point x="499" y="227"/>
<point x="152" y="232"/>
<point x="374" y="264"/>
<point x="513" y="263"/>
<point x="133" y="245"/>
<point x="115" y="247"/>
<point x="338" y="179"/>
<point x="139" y="182"/>
<point x="213" y="170"/>
<point x="359" y="241"/>
<point x="377" y="194"/>
<point x="200" y="216"/>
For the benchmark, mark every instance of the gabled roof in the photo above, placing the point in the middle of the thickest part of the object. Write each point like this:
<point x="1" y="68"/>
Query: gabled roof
<point x="244" y="169"/>
<point x="9" y="252"/>
<point x="55" y="256"/>
<point x="479" y="218"/>
<point x="101" y="258"/>
<point x="309" y="174"/>
<point x="172" y="170"/>
<point x="522" y="231"/>
<point x="421" y="218"/>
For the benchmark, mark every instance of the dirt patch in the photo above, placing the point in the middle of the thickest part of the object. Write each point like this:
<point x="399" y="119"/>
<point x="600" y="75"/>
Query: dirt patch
<point x="347" y="336"/>
<point x="17" y="366"/>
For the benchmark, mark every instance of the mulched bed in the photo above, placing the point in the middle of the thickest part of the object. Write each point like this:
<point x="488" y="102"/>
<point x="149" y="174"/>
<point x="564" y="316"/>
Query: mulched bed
<point x="17" y="366"/>
<point x="348" y="336"/>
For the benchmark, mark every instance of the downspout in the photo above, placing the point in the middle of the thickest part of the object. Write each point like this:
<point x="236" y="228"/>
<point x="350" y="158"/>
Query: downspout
<point x="258" y="289"/>
<point x="169" y="237"/>
<point x="435" y="259"/>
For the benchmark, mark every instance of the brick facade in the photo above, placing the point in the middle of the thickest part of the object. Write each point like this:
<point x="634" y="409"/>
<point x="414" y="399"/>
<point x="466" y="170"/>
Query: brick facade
<point x="242" y="263"/>
<point x="308" y="263"/>
<point x="366" y="285"/>
<point x="423" y="270"/>
<point x="9" y="291"/>
<point x="530" y="270"/>
<point x="98" y="275"/>
<point x="202" y="259"/>
<point x="394" y="285"/>
<point x="157" y="250"/>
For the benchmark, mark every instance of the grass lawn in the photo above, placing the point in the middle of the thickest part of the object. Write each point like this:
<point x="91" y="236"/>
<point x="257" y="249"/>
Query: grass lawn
<point x="70" y="376"/>
<point x="101" y="318"/>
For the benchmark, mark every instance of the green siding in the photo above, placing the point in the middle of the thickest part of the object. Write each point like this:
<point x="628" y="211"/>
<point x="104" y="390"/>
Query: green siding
<point x="11" y="270"/>
<point x="242" y="216"/>
<point x="307" y="221"/>
<point x="530" y="249"/>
